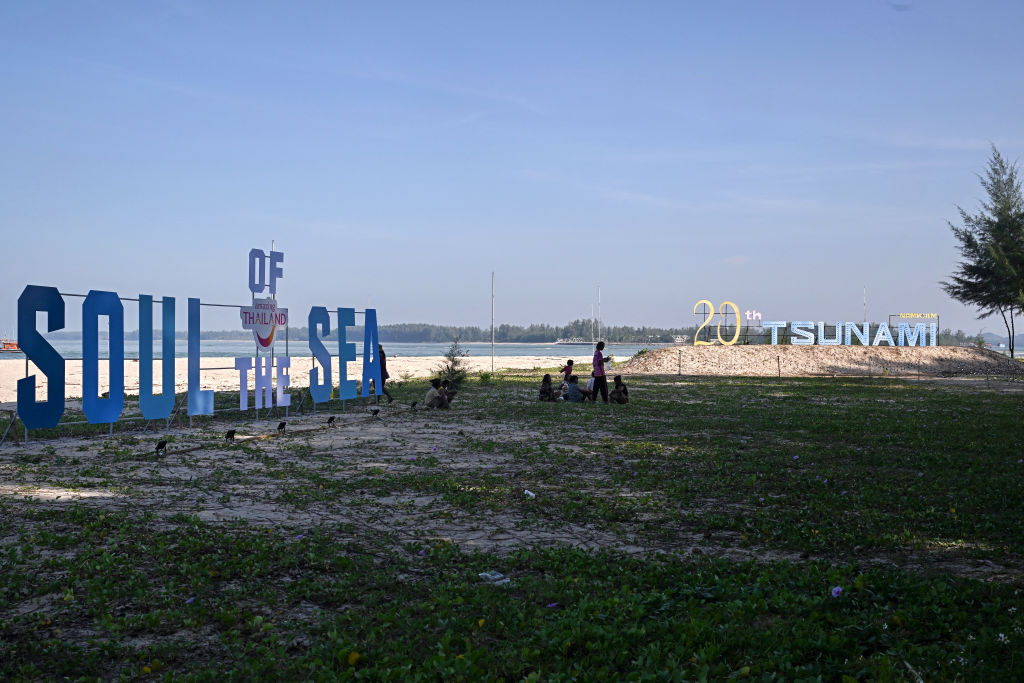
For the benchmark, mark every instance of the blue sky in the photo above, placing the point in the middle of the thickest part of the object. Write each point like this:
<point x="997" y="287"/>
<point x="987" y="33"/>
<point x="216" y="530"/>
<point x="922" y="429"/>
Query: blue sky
<point x="781" y="155"/>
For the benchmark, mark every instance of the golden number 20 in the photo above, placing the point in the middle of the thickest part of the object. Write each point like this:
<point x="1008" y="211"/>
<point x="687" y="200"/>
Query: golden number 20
<point x="718" y="331"/>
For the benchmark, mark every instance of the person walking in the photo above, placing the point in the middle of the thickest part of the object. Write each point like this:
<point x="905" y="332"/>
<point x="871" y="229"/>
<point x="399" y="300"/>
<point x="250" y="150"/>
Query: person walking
<point x="600" y="379"/>
<point x="384" y="373"/>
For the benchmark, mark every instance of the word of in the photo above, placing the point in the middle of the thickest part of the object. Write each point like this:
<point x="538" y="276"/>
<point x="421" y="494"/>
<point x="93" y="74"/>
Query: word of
<point x="264" y="317"/>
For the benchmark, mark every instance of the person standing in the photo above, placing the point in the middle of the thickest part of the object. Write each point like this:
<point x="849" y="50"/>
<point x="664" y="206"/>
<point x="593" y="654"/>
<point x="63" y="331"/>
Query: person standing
<point x="600" y="379"/>
<point x="384" y="373"/>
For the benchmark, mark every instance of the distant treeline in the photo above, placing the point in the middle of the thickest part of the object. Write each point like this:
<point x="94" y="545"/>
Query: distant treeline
<point x="423" y="333"/>
<point x="426" y="333"/>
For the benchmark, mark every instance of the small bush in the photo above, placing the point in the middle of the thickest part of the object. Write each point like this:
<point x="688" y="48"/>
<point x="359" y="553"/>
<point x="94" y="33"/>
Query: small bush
<point x="453" y="367"/>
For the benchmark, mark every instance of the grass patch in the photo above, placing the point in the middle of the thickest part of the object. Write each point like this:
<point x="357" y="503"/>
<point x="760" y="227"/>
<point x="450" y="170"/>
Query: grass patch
<point x="759" y="528"/>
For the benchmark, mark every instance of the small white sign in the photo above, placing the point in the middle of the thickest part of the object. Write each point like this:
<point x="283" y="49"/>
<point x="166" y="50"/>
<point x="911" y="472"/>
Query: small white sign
<point x="263" y="318"/>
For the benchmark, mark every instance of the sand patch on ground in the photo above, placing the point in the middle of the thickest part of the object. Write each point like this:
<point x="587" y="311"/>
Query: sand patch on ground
<point x="359" y="466"/>
<point x="802" y="361"/>
<point x="219" y="373"/>
<point x="386" y="480"/>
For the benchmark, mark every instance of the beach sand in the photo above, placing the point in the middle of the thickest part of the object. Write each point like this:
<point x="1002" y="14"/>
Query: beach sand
<point x="219" y="373"/>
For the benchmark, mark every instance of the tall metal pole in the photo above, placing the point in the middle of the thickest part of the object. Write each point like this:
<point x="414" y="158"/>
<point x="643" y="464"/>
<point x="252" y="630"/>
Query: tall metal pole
<point x="865" y="303"/>
<point x="492" y="321"/>
<point x="599" y="312"/>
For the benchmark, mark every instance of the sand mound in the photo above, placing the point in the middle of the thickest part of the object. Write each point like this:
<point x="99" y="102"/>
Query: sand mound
<point x="796" y="361"/>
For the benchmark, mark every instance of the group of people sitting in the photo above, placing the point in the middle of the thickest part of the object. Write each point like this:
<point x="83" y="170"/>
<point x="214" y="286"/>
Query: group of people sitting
<point x="440" y="394"/>
<point x="570" y="389"/>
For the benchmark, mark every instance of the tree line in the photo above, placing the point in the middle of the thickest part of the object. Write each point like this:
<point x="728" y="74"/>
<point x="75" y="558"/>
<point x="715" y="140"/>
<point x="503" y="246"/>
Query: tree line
<point x="425" y="333"/>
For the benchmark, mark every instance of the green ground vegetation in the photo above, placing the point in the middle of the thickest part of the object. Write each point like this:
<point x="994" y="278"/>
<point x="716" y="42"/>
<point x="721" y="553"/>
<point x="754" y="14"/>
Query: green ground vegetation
<point x="768" y="529"/>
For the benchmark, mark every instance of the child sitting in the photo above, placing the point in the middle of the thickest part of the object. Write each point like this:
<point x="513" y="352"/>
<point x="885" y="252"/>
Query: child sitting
<point x="436" y="397"/>
<point x="576" y="394"/>
<point x="620" y="394"/>
<point x="547" y="391"/>
<point x="449" y="390"/>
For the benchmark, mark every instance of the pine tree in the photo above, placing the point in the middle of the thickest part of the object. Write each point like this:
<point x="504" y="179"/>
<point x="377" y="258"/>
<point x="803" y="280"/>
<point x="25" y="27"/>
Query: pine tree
<point x="991" y="275"/>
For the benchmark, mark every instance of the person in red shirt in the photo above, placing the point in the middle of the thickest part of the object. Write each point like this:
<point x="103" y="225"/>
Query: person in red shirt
<point x="567" y="371"/>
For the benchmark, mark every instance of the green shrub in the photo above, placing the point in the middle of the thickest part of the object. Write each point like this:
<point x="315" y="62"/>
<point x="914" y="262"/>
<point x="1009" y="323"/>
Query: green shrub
<point x="453" y="367"/>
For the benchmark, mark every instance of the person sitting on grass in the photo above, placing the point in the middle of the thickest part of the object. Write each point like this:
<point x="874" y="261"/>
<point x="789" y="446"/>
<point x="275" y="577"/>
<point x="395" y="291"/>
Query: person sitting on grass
<point x="547" y="391"/>
<point x="566" y="371"/>
<point x="589" y="391"/>
<point x="436" y="397"/>
<point x="620" y="394"/>
<point x="449" y="390"/>
<point x="576" y="393"/>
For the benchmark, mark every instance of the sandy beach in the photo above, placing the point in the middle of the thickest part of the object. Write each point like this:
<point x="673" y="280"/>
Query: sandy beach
<point x="219" y="373"/>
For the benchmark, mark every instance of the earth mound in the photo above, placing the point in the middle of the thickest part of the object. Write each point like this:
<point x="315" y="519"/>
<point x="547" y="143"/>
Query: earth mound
<point x="802" y="361"/>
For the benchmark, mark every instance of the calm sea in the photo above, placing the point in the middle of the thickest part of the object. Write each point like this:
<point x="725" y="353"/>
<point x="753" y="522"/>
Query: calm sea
<point x="71" y="348"/>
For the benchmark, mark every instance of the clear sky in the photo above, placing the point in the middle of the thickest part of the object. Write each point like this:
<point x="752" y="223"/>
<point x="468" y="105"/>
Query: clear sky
<point x="779" y="154"/>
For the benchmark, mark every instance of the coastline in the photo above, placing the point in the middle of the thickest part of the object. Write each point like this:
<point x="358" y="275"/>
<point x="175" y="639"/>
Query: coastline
<point x="218" y="373"/>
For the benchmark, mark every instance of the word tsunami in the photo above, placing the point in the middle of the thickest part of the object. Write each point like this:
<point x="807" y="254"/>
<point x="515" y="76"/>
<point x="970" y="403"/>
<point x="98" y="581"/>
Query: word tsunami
<point x="802" y="332"/>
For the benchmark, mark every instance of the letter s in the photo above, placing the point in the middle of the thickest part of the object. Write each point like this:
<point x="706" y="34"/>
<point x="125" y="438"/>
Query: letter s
<point x="44" y="414"/>
<point x="319" y="323"/>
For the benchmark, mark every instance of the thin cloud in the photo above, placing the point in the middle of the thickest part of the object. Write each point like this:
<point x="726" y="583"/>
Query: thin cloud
<point x="737" y="260"/>
<point x="497" y="96"/>
<point x="943" y="143"/>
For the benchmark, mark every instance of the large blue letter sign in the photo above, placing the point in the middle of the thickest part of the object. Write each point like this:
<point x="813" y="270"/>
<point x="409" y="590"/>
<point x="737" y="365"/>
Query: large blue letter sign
<point x="257" y="267"/>
<point x="346" y="353"/>
<point x="102" y="410"/>
<point x="371" y="354"/>
<point x="319" y="324"/>
<point x="199" y="402"/>
<point x="276" y="272"/>
<point x="156" y="407"/>
<point x="802" y="332"/>
<point x="43" y="414"/>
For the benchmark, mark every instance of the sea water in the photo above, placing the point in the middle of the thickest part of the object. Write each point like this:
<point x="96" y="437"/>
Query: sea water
<point x="229" y="348"/>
